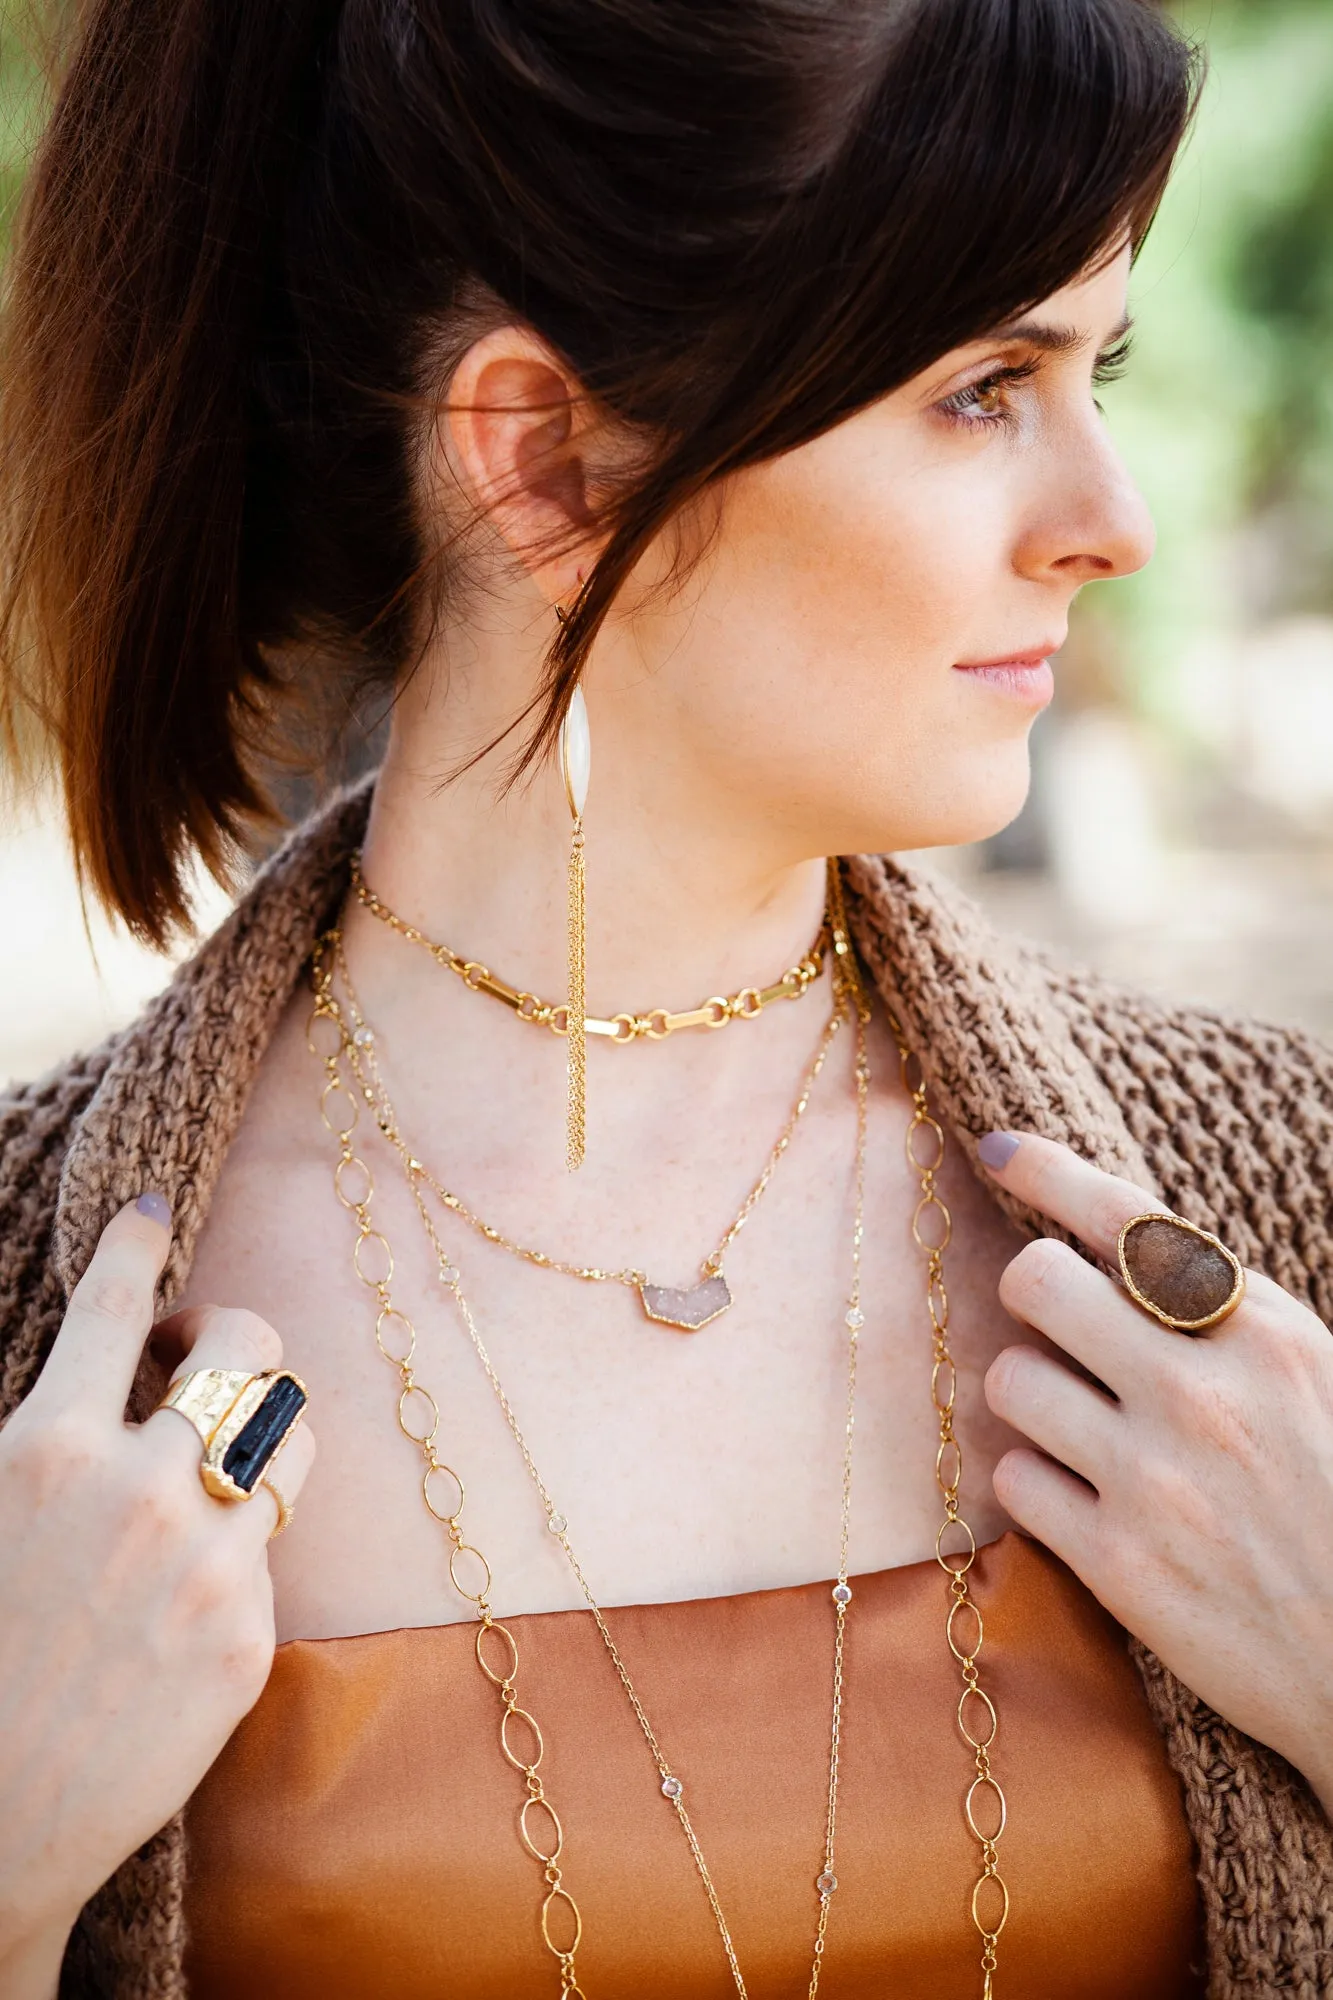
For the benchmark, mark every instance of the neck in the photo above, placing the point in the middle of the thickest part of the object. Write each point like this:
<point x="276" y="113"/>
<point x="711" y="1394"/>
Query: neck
<point x="686" y="898"/>
<point x="689" y="896"/>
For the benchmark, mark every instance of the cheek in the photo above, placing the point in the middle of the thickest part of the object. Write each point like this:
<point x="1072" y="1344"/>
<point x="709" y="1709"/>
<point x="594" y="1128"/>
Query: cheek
<point x="857" y="555"/>
<point x="846" y="580"/>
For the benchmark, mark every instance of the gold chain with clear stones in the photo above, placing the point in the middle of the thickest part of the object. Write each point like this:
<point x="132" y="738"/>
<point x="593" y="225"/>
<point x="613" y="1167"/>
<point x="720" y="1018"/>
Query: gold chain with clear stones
<point x="594" y="1273"/>
<point x="622" y="1029"/>
<point x="364" y="1068"/>
<point x="978" y="1722"/>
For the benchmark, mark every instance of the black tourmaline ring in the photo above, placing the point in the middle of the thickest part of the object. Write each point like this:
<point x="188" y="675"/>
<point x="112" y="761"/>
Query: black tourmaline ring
<point x="242" y="1420"/>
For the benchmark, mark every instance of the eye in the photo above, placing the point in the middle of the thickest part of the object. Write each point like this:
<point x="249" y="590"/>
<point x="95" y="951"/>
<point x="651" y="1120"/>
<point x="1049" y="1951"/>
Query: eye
<point x="1113" y="361"/>
<point x="987" y="401"/>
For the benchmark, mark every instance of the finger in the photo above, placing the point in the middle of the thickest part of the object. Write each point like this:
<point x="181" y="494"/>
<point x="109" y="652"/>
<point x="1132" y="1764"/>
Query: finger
<point x="1050" y="1288"/>
<point x="286" y="1473"/>
<point x="231" y="1338"/>
<point x="1092" y="1205"/>
<point x="96" y="1352"/>
<point x="209" y="1336"/>
<point x="1050" y="1503"/>
<point x="213" y="1337"/>
<point x="1065" y="1416"/>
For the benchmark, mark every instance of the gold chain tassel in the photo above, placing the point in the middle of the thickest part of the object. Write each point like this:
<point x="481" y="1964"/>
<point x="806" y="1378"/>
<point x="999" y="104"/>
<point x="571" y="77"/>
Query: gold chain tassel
<point x="577" y="1093"/>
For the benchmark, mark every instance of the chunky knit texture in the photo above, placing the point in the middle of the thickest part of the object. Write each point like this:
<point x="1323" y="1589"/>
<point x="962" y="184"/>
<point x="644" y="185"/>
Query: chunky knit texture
<point x="1231" y="1123"/>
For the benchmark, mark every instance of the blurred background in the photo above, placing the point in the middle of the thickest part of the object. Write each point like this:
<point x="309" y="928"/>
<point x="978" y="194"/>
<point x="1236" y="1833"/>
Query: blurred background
<point x="1180" y="830"/>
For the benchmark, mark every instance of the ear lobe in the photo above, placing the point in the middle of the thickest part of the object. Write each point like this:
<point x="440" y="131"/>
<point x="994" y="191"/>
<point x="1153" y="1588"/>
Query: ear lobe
<point x="515" y="418"/>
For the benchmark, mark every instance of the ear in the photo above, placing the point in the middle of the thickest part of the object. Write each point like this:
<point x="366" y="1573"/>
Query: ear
<point x="518" y="425"/>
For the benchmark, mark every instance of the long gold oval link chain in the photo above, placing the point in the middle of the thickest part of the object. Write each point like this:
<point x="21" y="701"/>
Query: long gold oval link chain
<point x="932" y="1228"/>
<point x="521" y="1741"/>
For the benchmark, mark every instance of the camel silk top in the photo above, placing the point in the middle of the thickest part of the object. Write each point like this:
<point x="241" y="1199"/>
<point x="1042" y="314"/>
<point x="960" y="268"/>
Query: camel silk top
<point x="358" y="1835"/>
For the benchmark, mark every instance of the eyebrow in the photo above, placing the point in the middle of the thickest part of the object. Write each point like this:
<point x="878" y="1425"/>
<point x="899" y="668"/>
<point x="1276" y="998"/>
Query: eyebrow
<point x="1053" y="338"/>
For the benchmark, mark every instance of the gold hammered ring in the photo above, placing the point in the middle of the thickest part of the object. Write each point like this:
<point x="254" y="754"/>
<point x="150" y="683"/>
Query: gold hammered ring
<point x="1179" y="1273"/>
<point x="242" y="1421"/>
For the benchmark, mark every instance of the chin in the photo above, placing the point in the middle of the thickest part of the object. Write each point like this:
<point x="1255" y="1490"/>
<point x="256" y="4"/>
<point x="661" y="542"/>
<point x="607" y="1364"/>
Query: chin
<point x="971" y="804"/>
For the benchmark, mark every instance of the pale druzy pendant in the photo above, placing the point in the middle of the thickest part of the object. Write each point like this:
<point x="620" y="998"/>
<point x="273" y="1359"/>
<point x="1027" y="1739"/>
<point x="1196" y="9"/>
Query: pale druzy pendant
<point x="687" y="1306"/>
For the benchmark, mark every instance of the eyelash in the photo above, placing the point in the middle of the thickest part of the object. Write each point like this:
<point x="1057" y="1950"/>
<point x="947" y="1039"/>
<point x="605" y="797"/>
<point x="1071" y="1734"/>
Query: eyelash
<point x="960" y="408"/>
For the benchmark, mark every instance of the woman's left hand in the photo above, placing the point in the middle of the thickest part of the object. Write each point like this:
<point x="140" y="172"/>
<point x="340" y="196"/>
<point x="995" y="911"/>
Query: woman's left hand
<point x="1195" y="1499"/>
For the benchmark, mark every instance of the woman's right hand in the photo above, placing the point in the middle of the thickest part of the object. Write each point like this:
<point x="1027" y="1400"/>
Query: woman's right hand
<point x="136" y="1612"/>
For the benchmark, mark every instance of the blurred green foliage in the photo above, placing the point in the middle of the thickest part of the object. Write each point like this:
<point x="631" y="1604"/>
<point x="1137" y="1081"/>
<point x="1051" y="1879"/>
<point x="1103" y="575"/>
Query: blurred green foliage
<point x="1226" y="414"/>
<point x="21" y="99"/>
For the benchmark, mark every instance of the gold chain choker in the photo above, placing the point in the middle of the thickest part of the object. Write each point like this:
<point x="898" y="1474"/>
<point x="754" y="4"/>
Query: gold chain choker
<point x="653" y="1026"/>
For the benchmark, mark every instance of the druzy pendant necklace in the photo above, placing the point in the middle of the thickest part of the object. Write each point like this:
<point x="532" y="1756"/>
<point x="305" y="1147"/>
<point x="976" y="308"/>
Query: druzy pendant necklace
<point x="685" y="1307"/>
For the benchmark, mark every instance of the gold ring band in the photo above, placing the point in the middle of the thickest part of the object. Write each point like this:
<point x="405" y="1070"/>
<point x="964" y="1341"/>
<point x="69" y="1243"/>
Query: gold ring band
<point x="242" y="1419"/>
<point x="1181" y="1274"/>
<point x="284" y="1507"/>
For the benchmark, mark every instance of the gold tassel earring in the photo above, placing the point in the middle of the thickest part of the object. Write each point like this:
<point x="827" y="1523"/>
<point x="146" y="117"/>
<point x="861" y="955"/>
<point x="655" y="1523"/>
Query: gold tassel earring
<point x="575" y="768"/>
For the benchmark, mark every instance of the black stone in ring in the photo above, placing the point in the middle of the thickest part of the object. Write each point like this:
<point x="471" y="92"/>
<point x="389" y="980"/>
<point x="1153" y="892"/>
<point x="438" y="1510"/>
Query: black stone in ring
<point x="246" y="1458"/>
<point x="1181" y="1274"/>
<point x="250" y="1435"/>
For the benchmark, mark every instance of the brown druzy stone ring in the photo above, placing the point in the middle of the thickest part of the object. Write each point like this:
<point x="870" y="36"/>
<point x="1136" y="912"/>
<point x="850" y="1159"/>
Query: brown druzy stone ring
<point x="1179" y="1273"/>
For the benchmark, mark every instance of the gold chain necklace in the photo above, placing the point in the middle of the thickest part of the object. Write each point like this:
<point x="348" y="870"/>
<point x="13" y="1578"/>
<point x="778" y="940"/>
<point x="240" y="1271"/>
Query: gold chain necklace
<point x="418" y="1417"/>
<point x="687" y="1307"/>
<point x="621" y="1029"/>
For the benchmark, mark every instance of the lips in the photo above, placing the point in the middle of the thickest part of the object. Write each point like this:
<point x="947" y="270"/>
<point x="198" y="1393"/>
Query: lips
<point x="1036" y="656"/>
<point x="1026" y="676"/>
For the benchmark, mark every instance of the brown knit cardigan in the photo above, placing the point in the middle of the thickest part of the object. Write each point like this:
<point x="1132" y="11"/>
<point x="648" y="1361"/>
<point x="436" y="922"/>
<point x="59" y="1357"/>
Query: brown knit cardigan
<point x="1232" y="1123"/>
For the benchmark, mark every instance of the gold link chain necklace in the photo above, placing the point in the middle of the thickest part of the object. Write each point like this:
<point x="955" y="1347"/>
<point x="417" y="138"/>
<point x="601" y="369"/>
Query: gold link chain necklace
<point x="496" y="1649"/>
<point x="622" y="1029"/>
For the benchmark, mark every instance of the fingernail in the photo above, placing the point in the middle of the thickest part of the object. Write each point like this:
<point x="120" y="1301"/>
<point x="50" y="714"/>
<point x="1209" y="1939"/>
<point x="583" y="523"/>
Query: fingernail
<point x="156" y="1207"/>
<point x="997" y="1149"/>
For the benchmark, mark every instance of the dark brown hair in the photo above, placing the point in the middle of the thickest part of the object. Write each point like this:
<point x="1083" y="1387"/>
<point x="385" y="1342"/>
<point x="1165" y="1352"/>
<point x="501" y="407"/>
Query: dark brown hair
<point x="253" y="229"/>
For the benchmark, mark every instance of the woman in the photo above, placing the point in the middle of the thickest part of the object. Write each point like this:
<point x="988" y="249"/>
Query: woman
<point x="724" y="378"/>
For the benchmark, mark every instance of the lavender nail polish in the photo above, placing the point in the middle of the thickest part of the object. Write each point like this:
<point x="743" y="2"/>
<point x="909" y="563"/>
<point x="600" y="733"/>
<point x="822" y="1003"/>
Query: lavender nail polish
<point x="156" y="1207"/>
<point x="997" y="1149"/>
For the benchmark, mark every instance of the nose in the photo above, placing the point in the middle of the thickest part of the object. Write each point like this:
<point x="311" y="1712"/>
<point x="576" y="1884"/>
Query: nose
<point x="1091" y="521"/>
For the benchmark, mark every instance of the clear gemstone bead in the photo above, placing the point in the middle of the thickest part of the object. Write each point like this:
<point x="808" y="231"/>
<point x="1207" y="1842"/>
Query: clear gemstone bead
<point x="556" y="1523"/>
<point x="856" y="1319"/>
<point x="826" y="1883"/>
<point x="842" y="1593"/>
<point x="672" y="1788"/>
<point x="364" y="1038"/>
